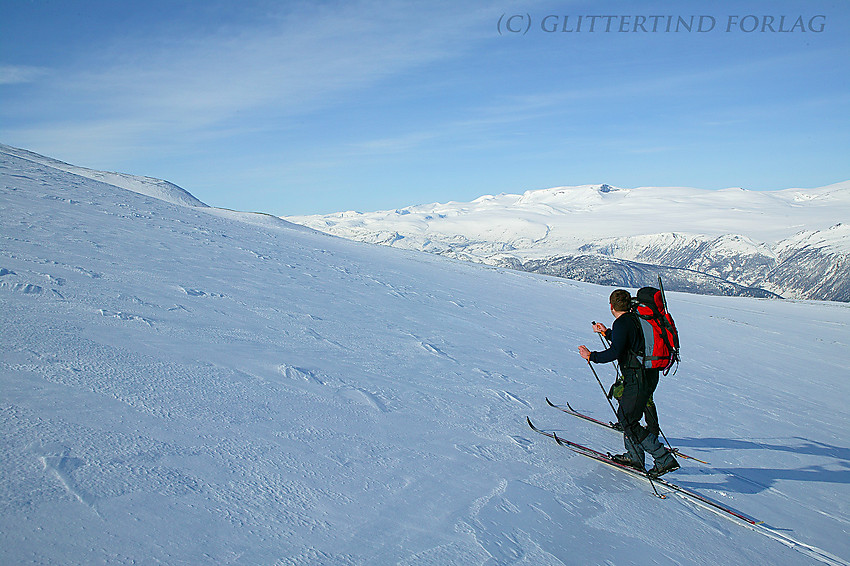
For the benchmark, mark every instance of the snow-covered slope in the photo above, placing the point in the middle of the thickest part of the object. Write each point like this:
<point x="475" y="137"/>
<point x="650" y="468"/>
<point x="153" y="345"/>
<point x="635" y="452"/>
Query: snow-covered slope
<point x="148" y="186"/>
<point x="162" y="190"/>
<point x="182" y="387"/>
<point x="726" y="241"/>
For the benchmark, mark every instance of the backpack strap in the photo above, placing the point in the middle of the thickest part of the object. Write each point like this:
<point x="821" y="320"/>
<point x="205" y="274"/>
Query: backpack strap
<point x="637" y="359"/>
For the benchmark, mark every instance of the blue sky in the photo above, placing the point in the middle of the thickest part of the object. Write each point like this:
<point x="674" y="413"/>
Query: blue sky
<point x="316" y="107"/>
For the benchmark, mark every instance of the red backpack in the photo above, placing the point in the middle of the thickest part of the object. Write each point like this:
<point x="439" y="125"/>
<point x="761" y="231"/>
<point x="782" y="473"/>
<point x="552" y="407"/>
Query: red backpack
<point x="661" y="339"/>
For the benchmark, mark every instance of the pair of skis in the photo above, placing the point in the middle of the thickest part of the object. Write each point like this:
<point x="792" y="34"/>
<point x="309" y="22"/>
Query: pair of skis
<point x="607" y="459"/>
<point x="685" y="493"/>
<point x="614" y="426"/>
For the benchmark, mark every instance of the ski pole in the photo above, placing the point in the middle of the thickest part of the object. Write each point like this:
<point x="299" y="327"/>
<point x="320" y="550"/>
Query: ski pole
<point x="607" y="344"/>
<point x="599" y="381"/>
<point x="663" y="297"/>
<point x="601" y="336"/>
<point x="625" y="431"/>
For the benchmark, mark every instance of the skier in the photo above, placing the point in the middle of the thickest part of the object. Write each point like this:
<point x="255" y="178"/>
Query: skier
<point x="638" y="385"/>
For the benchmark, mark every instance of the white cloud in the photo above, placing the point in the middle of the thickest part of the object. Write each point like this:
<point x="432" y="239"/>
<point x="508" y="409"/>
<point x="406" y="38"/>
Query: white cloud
<point x="291" y="64"/>
<point x="19" y="74"/>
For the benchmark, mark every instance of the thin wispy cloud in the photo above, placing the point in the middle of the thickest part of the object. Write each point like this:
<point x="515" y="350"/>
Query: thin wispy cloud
<point x="288" y="66"/>
<point x="20" y="74"/>
<point x="149" y="93"/>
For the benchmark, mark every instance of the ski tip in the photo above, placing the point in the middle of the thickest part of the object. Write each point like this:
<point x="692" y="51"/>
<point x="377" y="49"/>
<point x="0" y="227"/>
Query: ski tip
<point x="548" y="402"/>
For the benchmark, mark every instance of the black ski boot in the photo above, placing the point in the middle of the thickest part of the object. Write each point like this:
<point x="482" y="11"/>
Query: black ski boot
<point x="657" y="471"/>
<point x="626" y="460"/>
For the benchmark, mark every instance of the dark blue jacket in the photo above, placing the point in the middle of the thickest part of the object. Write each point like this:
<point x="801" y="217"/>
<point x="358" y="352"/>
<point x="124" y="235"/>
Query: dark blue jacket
<point x="626" y="337"/>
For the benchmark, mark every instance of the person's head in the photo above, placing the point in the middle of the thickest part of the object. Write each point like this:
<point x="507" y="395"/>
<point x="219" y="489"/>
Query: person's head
<point x="621" y="301"/>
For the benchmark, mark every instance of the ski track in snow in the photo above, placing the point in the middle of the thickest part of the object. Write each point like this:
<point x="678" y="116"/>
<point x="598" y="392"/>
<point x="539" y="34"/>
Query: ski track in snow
<point x="179" y="386"/>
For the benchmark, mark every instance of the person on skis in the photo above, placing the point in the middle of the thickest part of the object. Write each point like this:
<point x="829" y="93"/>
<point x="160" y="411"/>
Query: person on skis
<point x="639" y="383"/>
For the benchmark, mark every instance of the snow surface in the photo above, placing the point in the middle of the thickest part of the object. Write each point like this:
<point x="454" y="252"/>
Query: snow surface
<point x="162" y="190"/>
<point x="186" y="387"/>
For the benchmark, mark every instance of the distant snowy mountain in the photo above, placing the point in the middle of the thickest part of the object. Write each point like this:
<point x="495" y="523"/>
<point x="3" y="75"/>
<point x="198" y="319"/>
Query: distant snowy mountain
<point x="186" y="385"/>
<point x="792" y="242"/>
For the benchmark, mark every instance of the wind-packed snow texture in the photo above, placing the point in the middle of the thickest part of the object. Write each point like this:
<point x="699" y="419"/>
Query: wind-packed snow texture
<point x="185" y="385"/>
<point x="792" y="242"/>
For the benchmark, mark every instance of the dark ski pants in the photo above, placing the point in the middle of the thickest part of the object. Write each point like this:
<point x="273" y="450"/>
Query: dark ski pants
<point x="638" y="387"/>
<point x="650" y="413"/>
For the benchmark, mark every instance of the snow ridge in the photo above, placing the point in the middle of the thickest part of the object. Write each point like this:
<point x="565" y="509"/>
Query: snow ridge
<point x="156" y="188"/>
<point x="149" y="186"/>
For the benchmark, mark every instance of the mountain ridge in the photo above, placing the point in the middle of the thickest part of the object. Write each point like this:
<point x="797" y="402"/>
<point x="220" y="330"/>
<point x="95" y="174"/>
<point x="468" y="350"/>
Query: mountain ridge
<point x="763" y="243"/>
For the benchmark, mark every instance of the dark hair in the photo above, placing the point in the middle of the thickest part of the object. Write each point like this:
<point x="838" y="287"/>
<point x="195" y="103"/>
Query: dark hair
<point x="621" y="300"/>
